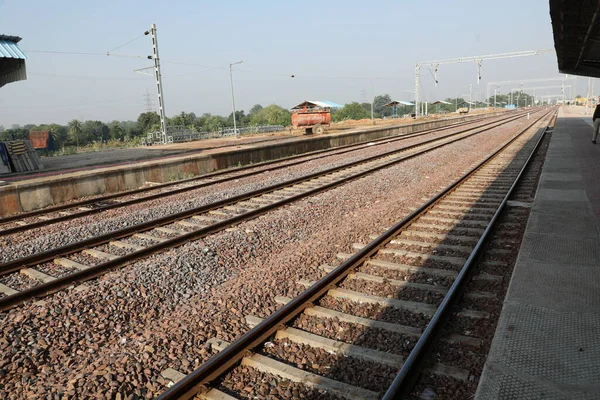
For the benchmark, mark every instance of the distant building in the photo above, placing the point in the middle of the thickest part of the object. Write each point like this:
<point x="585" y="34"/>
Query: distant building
<point x="12" y="60"/>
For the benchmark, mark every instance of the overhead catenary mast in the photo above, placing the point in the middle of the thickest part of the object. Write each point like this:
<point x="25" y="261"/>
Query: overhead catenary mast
<point x="475" y="59"/>
<point x="159" y="86"/>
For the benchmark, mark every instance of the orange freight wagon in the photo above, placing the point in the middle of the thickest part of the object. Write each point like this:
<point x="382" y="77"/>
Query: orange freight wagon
<point x="313" y="115"/>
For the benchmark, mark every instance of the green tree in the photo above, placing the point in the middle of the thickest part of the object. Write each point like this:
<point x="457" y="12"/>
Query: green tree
<point x="75" y="131"/>
<point x="116" y="131"/>
<point x="379" y="106"/>
<point x="272" y="115"/>
<point x="148" y="121"/>
<point x="14" y="134"/>
<point x="182" y="119"/>
<point x="95" y="131"/>
<point x="352" y="111"/>
<point x="240" y="117"/>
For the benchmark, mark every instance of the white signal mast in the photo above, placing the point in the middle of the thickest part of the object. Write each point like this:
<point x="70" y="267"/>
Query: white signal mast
<point x="474" y="59"/>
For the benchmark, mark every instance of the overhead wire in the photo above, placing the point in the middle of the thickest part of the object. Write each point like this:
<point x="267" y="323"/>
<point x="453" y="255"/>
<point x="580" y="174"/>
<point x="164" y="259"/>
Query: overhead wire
<point x="126" y="43"/>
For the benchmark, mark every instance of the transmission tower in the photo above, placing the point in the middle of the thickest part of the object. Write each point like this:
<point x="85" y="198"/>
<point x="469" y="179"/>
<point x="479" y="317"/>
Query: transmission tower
<point x="148" y="102"/>
<point x="363" y="96"/>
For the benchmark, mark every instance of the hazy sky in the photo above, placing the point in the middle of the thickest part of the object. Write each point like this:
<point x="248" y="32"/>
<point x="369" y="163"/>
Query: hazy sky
<point x="341" y="51"/>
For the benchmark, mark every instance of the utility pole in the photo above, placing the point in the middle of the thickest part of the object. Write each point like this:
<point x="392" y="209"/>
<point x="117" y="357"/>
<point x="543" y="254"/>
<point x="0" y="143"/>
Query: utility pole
<point x="470" y="95"/>
<point x="233" y="96"/>
<point x="372" y="103"/>
<point x="495" y="93"/>
<point x="159" y="86"/>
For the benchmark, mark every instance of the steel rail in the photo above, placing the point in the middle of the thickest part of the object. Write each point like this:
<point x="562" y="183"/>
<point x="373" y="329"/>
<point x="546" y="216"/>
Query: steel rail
<point x="332" y="152"/>
<point x="99" y="269"/>
<point x="228" y="357"/>
<point x="13" y="265"/>
<point x="408" y="374"/>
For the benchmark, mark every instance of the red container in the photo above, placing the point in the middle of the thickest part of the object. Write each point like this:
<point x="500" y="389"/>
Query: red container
<point x="310" y="118"/>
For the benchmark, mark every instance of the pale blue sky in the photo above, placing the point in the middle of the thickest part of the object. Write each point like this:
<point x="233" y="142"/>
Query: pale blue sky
<point x="332" y="48"/>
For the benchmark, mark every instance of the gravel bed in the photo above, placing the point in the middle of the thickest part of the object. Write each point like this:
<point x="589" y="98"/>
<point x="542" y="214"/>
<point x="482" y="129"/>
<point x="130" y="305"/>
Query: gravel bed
<point x="85" y="259"/>
<point x="419" y="277"/>
<point x="393" y="292"/>
<point x="248" y="383"/>
<point x="372" y="338"/>
<point x="117" y="251"/>
<point x="376" y="312"/>
<point x="18" y="281"/>
<point x="409" y="236"/>
<point x="489" y="305"/>
<point x="431" y="386"/>
<point x="416" y="261"/>
<point x="68" y="232"/>
<point x="365" y="374"/>
<point x="459" y="355"/>
<point x="176" y="300"/>
<point x="139" y="241"/>
<point x="462" y="356"/>
<point x="55" y="270"/>
<point x="162" y="234"/>
<point x="419" y="249"/>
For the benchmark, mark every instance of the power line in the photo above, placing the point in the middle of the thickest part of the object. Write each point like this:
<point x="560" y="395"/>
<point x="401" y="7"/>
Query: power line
<point x="84" y="77"/>
<point x="126" y="43"/>
<point x="71" y="105"/>
<point x="213" y="67"/>
<point x="77" y="53"/>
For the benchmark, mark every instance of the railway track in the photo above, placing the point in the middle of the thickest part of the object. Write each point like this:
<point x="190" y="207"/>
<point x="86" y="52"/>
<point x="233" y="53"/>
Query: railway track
<point x="38" y="218"/>
<point x="55" y="269"/>
<point x="381" y="310"/>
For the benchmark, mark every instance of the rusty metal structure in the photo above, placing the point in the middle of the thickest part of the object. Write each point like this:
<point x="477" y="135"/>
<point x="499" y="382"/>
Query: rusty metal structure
<point x="312" y="115"/>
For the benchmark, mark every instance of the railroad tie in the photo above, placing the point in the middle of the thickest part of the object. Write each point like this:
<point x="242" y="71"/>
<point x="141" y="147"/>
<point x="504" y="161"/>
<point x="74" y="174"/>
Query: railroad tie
<point x="330" y="345"/>
<point x="7" y="290"/>
<point x="100" y="254"/>
<point x="286" y="371"/>
<point x="65" y="262"/>
<point x="37" y="275"/>
<point x="393" y="282"/>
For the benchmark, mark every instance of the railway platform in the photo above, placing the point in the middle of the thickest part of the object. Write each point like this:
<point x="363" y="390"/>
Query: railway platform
<point x="546" y="342"/>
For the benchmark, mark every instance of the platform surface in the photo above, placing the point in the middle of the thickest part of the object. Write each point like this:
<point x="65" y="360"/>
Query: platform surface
<point x="547" y="343"/>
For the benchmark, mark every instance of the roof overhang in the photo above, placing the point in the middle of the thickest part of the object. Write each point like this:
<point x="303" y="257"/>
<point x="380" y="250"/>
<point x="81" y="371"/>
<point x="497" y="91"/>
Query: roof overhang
<point x="12" y="60"/>
<point x="396" y="103"/>
<point x="576" y="26"/>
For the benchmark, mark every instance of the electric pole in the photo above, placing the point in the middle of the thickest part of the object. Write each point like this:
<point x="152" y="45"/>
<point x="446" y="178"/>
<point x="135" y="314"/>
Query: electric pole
<point x="233" y="96"/>
<point x="158" y="76"/>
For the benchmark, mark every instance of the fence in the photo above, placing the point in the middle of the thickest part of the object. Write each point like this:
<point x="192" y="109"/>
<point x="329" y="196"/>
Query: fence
<point x="179" y="134"/>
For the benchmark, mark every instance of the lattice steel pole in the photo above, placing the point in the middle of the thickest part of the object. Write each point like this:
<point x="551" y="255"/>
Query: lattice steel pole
<point x="159" y="86"/>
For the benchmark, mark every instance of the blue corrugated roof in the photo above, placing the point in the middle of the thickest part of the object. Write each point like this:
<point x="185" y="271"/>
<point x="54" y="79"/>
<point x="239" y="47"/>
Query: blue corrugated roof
<point x="9" y="49"/>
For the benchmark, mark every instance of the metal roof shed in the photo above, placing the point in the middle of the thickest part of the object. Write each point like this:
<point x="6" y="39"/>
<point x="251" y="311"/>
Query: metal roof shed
<point x="398" y="103"/>
<point x="317" y="103"/>
<point x="12" y="60"/>
<point x="576" y="28"/>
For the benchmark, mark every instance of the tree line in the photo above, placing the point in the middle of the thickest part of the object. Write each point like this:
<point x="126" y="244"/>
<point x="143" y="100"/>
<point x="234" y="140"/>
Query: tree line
<point x="83" y="133"/>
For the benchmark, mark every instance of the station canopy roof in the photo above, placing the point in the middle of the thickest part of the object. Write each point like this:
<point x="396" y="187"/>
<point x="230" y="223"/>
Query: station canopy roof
<point x="576" y="26"/>
<point x="317" y="104"/>
<point x="12" y="60"/>
<point x="396" y="103"/>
